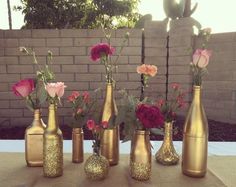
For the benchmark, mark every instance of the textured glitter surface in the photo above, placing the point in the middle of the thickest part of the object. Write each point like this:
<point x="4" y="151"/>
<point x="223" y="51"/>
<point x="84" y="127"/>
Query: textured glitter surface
<point x="140" y="171"/>
<point x="96" y="167"/>
<point x="53" y="156"/>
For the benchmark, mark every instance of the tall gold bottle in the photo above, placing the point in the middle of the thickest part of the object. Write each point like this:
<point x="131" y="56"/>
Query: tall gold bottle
<point x="140" y="156"/>
<point x="111" y="137"/>
<point x="52" y="146"/>
<point x="167" y="155"/>
<point x="34" y="141"/>
<point x="77" y="145"/>
<point x="195" y="138"/>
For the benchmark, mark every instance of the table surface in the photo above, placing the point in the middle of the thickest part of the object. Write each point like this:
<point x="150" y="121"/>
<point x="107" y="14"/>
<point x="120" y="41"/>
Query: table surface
<point x="15" y="173"/>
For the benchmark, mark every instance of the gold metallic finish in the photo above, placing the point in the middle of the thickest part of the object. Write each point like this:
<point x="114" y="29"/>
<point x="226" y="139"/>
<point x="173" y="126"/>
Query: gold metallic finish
<point x="77" y="145"/>
<point x="195" y="138"/>
<point x="96" y="167"/>
<point x="140" y="156"/>
<point x="52" y="146"/>
<point x="111" y="137"/>
<point x="167" y="155"/>
<point x="34" y="141"/>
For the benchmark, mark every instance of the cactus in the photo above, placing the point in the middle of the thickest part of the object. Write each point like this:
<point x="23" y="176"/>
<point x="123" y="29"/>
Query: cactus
<point x="174" y="9"/>
<point x="187" y="10"/>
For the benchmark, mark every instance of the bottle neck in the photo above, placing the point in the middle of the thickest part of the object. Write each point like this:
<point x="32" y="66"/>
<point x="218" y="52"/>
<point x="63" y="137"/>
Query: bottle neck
<point x="109" y="91"/>
<point x="168" y="131"/>
<point x="197" y="94"/>
<point x="52" y="119"/>
<point x="37" y="114"/>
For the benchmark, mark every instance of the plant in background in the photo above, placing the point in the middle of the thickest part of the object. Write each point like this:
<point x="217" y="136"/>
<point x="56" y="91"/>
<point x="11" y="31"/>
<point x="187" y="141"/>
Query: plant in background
<point x="32" y="90"/>
<point x="201" y="58"/>
<point x="83" y="107"/>
<point x="176" y="102"/>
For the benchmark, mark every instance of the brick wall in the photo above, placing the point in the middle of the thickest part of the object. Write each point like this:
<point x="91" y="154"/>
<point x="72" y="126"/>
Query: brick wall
<point x="72" y="65"/>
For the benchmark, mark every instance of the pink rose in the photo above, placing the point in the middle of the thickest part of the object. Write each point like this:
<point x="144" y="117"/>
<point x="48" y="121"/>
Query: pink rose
<point x="149" y="116"/>
<point x="91" y="124"/>
<point x="146" y="69"/>
<point x="86" y="96"/>
<point x="55" y="89"/>
<point x="100" y="50"/>
<point x="73" y="96"/>
<point x="24" y="87"/>
<point x="201" y="57"/>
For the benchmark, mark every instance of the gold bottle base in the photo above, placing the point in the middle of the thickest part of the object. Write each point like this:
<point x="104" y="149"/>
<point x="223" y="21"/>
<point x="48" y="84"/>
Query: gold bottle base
<point x="195" y="174"/>
<point x="34" y="164"/>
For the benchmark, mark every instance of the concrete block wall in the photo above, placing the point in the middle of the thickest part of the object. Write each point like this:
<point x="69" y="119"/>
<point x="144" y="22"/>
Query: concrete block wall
<point x="71" y="64"/>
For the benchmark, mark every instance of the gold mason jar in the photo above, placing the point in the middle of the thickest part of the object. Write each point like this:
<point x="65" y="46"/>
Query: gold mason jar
<point x="195" y="138"/>
<point x="34" y="141"/>
<point x="77" y="145"/>
<point x="140" y="156"/>
<point x="111" y="137"/>
<point x="167" y="155"/>
<point x="52" y="146"/>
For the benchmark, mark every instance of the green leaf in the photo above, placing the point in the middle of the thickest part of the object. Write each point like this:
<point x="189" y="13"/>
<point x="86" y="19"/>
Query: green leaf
<point x="157" y="131"/>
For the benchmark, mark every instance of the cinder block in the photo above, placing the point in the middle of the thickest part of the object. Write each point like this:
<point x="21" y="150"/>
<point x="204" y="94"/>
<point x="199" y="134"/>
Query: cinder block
<point x="29" y="60"/>
<point x="134" y="77"/>
<point x="84" y="60"/>
<point x="11" y="113"/>
<point x="117" y="77"/>
<point x="62" y="60"/>
<point x="17" y="33"/>
<point x="32" y="42"/>
<point x="58" y="42"/>
<point x="222" y="37"/>
<point x="159" y="25"/>
<point x="95" y="33"/>
<point x="1" y="52"/>
<point x="98" y="68"/>
<point x="179" y="51"/>
<point x="135" y="59"/>
<point x="179" y="70"/>
<point x="20" y="69"/>
<point x="184" y="22"/>
<point x="74" y="33"/>
<point x="9" y="43"/>
<point x="23" y="121"/>
<point x="180" y="61"/>
<point x="1" y="33"/>
<point x="131" y="51"/>
<point x="12" y="52"/>
<point x="89" y="42"/>
<point x="3" y="69"/>
<point x="156" y="42"/>
<point x="133" y="33"/>
<point x="182" y="31"/>
<point x="95" y="85"/>
<point x="44" y="50"/>
<point x="45" y="33"/>
<point x="186" y="41"/>
<point x="121" y="60"/>
<point x="131" y="85"/>
<point x="88" y="77"/>
<point x="157" y="51"/>
<point x="4" y="87"/>
<point x="4" y="104"/>
<point x="135" y="42"/>
<point x="75" y="68"/>
<point x="9" y="77"/>
<point x="127" y="68"/>
<point x="17" y="103"/>
<point x="154" y="60"/>
<point x="72" y="51"/>
<point x="64" y="77"/>
<point x="183" y="79"/>
<point x="80" y="86"/>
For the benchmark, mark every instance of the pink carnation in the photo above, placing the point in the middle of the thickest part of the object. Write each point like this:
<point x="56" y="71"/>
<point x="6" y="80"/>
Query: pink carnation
<point x="149" y="70"/>
<point x="100" y="50"/>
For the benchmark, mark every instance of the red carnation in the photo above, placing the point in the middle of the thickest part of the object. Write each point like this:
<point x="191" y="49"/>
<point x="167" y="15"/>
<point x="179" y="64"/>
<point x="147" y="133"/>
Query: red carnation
<point x="149" y="116"/>
<point x="100" y="50"/>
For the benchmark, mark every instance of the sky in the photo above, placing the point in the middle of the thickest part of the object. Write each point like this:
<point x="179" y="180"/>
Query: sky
<point x="217" y="14"/>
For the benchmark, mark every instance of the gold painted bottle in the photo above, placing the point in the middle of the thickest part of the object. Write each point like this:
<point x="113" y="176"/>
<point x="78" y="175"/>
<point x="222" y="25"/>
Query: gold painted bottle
<point x="110" y="139"/>
<point x="140" y="156"/>
<point x="195" y="138"/>
<point x="34" y="141"/>
<point x="167" y="155"/>
<point x="52" y="146"/>
<point x="77" y="145"/>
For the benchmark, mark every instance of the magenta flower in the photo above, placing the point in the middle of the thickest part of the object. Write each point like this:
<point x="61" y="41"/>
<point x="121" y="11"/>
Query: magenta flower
<point x="101" y="50"/>
<point x="24" y="87"/>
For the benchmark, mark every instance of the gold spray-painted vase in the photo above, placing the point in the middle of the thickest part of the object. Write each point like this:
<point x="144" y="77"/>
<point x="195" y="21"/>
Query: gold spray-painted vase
<point x="195" y="138"/>
<point x="167" y="155"/>
<point x="34" y="141"/>
<point x="140" y="156"/>
<point x="77" y="145"/>
<point x="110" y="138"/>
<point x="52" y="146"/>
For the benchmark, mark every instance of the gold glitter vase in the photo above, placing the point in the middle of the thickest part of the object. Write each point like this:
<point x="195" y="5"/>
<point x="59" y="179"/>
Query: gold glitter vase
<point x="34" y="141"/>
<point x="96" y="167"/>
<point x="140" y="156"/>
<point x="195" y="138"/>
<point x="167" y="155"/>
<point x="111" y="137"/>
<point x="52" y="146"/>
<point x="77" y="145"/>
